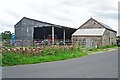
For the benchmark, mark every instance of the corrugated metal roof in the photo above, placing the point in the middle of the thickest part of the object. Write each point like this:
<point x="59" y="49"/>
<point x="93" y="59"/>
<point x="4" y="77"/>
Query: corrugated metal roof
<point x="45" y="23"/>
<point x="89" y="32"/>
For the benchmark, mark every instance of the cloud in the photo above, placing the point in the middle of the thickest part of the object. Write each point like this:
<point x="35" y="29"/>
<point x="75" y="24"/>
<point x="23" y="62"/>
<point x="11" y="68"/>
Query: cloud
<point x="70" y="13"/>
<point x="6" y="28"/>
<point x="110" y="15"/>
<point x="12" y="13"/>
<point x="5" y="23"/>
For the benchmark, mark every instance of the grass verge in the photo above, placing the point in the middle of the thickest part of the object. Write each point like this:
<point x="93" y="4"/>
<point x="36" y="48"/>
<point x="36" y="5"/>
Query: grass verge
<point x="48" y="55"/>
<point x="101" y="48"/>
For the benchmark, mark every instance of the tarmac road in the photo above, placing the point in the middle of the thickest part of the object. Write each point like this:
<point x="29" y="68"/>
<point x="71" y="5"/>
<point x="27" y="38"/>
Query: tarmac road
<point x="98" y="65"/>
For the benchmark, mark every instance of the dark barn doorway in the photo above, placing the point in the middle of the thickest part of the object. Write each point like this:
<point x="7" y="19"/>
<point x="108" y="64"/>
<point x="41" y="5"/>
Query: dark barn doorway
<point x="46" y="33"/>
<point x="61" y="34"/>
<point x="42" y="32"/>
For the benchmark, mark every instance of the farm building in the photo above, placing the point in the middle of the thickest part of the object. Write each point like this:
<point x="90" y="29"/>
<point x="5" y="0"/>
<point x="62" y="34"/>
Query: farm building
<point x="30" y="29"/>
<point x="93" y="33"/>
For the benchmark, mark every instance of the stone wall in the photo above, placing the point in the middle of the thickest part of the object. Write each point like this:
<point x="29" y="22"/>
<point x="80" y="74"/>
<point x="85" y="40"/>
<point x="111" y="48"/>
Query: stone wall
<point x="109" y="38"/>
<point x="87" y="41"/>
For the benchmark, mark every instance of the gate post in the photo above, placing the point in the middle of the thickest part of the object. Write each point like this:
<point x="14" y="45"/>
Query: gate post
<point x="52" y="35"/>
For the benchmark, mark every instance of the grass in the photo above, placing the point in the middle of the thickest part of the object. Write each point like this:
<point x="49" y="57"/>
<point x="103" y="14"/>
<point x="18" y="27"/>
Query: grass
<point x="101" y="48"/>
<point x="0" y="59"/>
<point x="48" y="55"/>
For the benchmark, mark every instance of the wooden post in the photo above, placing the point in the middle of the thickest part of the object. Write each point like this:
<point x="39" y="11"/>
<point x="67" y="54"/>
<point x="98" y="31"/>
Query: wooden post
<point x="52" y="35"/>
<point x="64" y="36"/>
<point x="44" y="31"/>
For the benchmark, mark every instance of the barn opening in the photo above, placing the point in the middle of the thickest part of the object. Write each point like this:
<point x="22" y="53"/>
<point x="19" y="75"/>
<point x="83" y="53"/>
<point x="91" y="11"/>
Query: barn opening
<point x="41" y="33"/>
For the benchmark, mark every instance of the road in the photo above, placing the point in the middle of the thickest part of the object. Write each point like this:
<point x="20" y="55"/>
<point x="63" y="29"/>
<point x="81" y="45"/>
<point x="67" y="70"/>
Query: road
<point x="99" y="65"/>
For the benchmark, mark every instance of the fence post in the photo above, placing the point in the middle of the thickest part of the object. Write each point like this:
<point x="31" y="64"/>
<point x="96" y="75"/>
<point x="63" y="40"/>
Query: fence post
<point x="52" y="35"/>
<point x="64" y="36"/>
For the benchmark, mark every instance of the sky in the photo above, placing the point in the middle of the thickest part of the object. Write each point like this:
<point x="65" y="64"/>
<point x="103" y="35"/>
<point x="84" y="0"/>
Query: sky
<point x="70" y="13"/>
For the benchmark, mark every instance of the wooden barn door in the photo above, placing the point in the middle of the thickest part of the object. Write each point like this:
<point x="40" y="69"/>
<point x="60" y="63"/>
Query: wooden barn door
<point x="89" y="42"/>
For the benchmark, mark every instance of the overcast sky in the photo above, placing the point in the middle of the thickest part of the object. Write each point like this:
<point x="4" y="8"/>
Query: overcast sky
<point x="71" y="13"/>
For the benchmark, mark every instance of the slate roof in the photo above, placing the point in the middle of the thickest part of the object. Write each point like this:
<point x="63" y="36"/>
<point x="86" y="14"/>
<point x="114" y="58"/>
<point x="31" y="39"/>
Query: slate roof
<point x="106" y="26"/>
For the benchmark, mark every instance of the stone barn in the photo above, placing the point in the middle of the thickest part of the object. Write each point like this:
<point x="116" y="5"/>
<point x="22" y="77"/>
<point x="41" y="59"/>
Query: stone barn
<point x="93" y="33"/>
<point x="30" y="30"/>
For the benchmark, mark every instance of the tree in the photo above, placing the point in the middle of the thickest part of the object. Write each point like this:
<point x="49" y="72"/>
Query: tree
<point x="6" y="35"/>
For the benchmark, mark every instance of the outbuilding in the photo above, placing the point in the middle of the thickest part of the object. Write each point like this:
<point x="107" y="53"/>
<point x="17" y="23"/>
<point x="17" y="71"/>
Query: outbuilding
<point x="34" y="30"/>
<point x="93" y="33"/>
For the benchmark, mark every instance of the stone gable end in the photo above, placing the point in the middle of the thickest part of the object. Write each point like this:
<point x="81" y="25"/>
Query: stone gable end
<point x="90" y="24"/>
